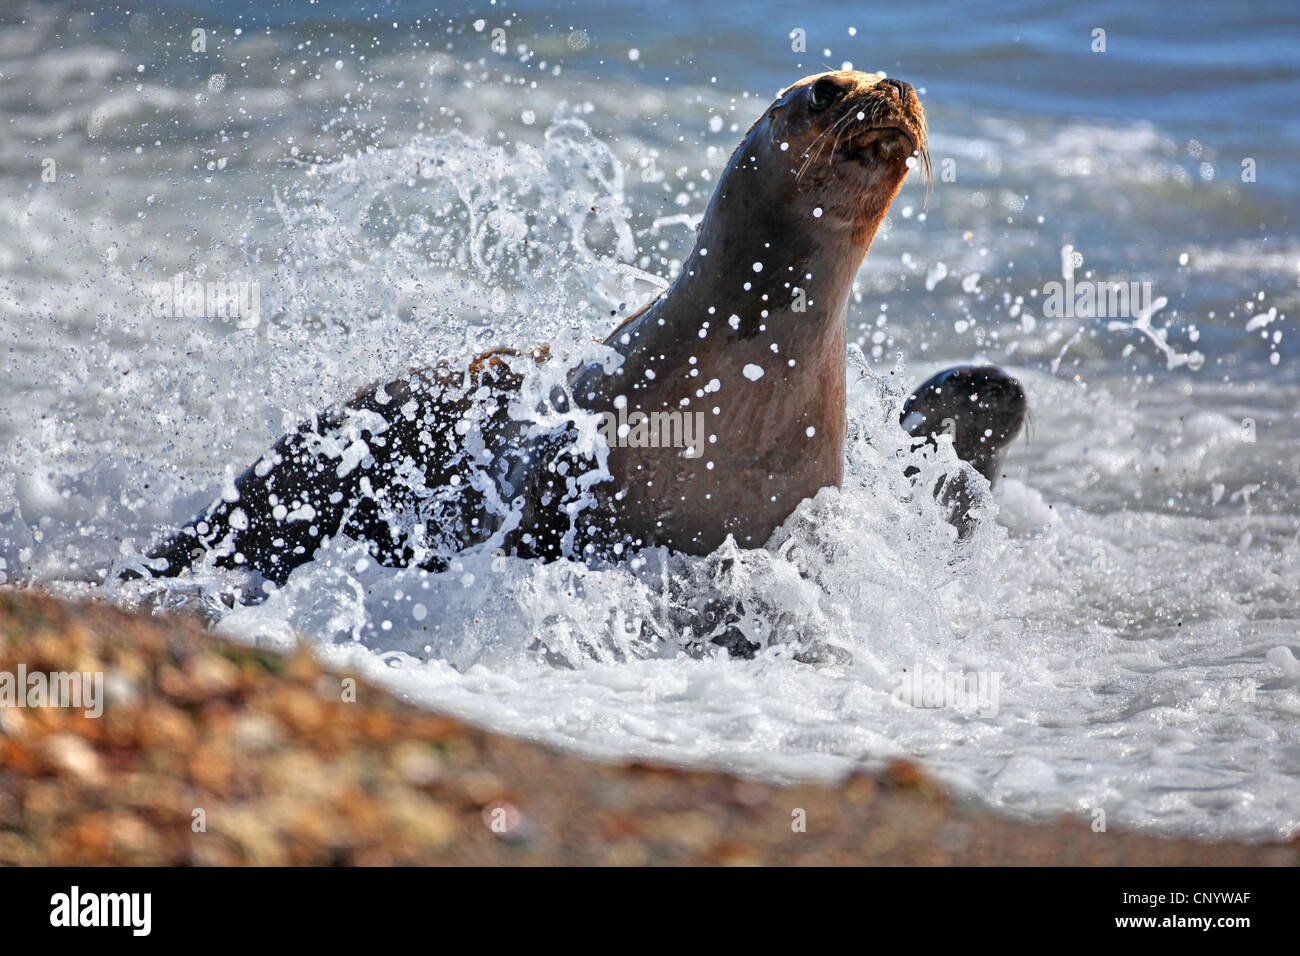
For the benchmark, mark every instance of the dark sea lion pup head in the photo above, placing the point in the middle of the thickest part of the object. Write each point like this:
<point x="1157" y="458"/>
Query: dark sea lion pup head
<point x="981" y="407"/>
<point x="830" y="154"/>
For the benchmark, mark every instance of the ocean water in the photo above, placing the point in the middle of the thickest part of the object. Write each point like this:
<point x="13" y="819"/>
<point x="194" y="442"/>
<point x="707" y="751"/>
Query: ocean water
<point x="399" y="190"/>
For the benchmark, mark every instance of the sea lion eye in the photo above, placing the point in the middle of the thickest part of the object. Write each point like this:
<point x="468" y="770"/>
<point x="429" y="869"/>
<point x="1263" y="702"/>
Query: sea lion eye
<point x="822" y="94"/>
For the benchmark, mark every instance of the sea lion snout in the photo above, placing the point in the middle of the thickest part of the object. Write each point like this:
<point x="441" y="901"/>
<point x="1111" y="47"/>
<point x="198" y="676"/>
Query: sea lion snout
<point x="848" y="139"/>
<point x="847" y="103"/>
<point x="902" y="89"/>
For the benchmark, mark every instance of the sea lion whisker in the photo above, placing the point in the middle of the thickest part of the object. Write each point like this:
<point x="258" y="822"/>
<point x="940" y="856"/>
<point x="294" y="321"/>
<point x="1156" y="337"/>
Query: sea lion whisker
<point x="842" y="121"/>
<point x="924" y="150"/>
<point x="818" y="143"/>
<point x="821" y="140"/>
<point x="808" y="156"/>
<point x="813" y="152"/>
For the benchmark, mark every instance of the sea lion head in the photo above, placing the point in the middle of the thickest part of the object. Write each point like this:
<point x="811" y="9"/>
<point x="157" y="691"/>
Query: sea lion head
<point x="981" y="407"/>
<point x="841" y="142"/>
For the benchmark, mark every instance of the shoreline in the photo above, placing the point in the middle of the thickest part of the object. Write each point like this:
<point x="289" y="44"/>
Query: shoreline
<point x="209" y="752"/>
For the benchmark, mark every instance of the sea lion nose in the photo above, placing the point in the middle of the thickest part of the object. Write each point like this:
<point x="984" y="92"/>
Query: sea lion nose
<point x="901" y="88"/>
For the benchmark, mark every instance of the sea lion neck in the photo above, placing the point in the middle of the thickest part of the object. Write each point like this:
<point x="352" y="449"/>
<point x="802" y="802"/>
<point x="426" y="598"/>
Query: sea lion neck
<point x="766" y="264"/>
<point x="794" y="213"/>
<point x="780" y="270"/>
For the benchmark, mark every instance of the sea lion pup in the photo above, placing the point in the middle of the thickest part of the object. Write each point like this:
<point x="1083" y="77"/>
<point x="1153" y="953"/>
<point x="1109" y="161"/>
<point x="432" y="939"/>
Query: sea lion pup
<point x="751" y="336"/>
<point x="983" y="409"/>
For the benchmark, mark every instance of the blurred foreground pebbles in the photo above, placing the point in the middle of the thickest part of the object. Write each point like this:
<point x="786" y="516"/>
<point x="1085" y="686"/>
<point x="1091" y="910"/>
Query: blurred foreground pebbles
<point x="212" y="753"/>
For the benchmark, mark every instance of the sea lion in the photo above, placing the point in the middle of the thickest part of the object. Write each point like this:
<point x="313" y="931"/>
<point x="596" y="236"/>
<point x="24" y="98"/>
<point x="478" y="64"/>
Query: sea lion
<point x="751" y="336"/>
<point x="758" y="313"/>
<point x="982" y="409"/>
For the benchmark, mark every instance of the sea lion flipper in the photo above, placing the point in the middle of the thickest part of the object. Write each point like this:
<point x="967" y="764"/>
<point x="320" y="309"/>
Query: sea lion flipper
<point x="356" y="470"/>
<point x="277" y="513"/>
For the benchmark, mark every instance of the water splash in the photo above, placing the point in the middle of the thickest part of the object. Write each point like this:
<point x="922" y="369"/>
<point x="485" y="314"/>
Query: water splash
<point x="1111" y="654"/>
